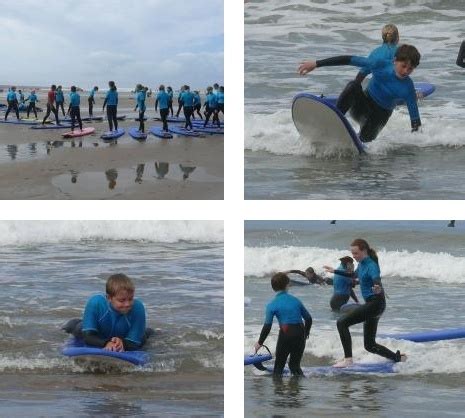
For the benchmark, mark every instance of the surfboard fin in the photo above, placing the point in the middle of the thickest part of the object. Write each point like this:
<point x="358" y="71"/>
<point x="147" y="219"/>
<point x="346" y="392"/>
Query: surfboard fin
<point x="461" y="56"/>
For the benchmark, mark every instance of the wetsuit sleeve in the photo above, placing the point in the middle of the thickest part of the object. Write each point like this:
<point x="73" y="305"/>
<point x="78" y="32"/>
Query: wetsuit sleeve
<point x="90" y="317"/>
<point x="136" y="333"/>
<point x="413" y="109"/>
<point x="308" y="319"/>
<point x="375" y="274"/>
<point x="92" y="338"/>
<point x="344" y="273"/>
<point x="334" y="61"/>
<point x="267" y="325"/>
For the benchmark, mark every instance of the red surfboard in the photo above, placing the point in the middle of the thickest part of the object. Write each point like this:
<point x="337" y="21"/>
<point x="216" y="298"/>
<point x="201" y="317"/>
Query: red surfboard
<point x="77" y="132"/>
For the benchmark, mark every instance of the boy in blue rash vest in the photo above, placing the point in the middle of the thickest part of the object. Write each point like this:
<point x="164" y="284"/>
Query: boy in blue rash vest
<point x="187" y="99"/>
<point x="373" y="107"/>
<point x="292" y="333"/>
<point x="60" y="99"/>
<point x="197" y="105"/>
<point x="74" y="109"/>
<point x="343" y="286"/>
<point x="169" y="91"/>
<point x="163" y="99"/>
<point x="211" y="106"/>
<point x="111" y="101"/>
<point x="220" y="96"/>
<point x="179" y="101"/>
<point x="91" y="100"/>
<point x="115" y="322"/>
<point x="370" y="312"/>
<point x="32" y="99"/>
<point x="12" y="101"/>
<point x="141" y="94"/>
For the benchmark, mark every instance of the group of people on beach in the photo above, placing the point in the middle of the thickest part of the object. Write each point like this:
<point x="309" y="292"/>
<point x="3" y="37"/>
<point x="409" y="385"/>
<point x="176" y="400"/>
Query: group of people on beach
<point x="188" y="101"/>
<point x="295" y="321"/>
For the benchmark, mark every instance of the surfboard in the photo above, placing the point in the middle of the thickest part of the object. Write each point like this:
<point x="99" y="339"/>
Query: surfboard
<point x="182" y="131"/>
<point x="317" y="118"/>
<point x="51" y="126"/>
<point x="76" y="348"/>
<point x="134" y="133"/>
<point x="209" y="130"/>
<point x="427" y="336"/>
<point x="298" y="282"/>
<point x="20" y="122"/>
<point x="158" y="131"/>
<point x="78" y="133"/>
<point x="256" y="358"/>
<point x="109" y="135"/>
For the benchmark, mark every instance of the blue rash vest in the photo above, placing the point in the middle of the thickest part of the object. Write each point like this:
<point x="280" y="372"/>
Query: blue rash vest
<point x="342" y="285"/>
<point x="187" y="98"/>
<point x="112" y="97"/>
<point x="74" y="99"/>
<point x="385" y="87"/>
<point x="212" y="100"/>
<point x="384" y="52"/>
<point x="59" y="97"/>
<point x="32" y="98"/>
<point x="368" y="273"/>
<point x="163" y="99"/>
<point x="220" y="97"/>
<point x="92" y="93"/>
<point x="287" y="308"/>
<point x="100" y="316"/>
<point x="140" y="98"/>
<point x="196" y="99"/>
<point x="11" y="96"/>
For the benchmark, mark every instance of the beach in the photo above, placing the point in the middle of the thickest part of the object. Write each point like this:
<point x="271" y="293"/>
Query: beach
<point x="422" y="271"/>
<point x="51" y="268"/>
<point x="39" y="164"/>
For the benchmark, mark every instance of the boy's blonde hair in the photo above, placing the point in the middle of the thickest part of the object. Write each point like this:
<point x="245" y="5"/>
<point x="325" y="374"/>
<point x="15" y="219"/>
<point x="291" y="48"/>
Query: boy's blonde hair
<point x="118" y="282"/>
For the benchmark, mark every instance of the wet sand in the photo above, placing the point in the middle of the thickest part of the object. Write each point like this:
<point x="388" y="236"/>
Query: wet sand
<point x="36" y="163"/>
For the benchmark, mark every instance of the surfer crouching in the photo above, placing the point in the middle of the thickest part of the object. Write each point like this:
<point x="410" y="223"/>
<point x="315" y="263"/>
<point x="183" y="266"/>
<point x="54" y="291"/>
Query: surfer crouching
<point x="390" y="83"/>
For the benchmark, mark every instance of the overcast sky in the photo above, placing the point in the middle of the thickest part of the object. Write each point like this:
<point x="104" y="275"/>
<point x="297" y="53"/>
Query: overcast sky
<point x="89" y="42"/>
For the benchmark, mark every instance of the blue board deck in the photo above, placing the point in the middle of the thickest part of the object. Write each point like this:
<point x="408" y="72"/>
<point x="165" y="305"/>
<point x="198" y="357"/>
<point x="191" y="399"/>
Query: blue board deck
<point x="159" y="132"/>
<point x="356" y="368"/>
<point x="110" y="135"/>
<point x="427" y="336"/>
<point x="78" y="349"/>
<point x="134" y="133"/>
<point x="256" y="358"/>
<point x="181" y="131"/>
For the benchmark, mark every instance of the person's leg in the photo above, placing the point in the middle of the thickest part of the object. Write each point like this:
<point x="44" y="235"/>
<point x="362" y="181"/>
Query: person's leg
<point x="78" y="116"/>
<point x="91" y="106"/>
<point x="73" y="118"/>
<point x="35" y="110"/>
<point x="216" y="118"/>
<point x="15" y="107"/>
<point x="297" y="347"/>
<point x="207" y="117"/>
<point x="55" y="111"/>
<point x="281" y="354"/>
<point x="29" y="107"/>
<point x="141" y="121"/>
<point x="337" y="301"/>
<point x="375" y="122"/>
<point x="109" y="117"/>
<point x="349" y="96"/>
<point x="115" y="117"/>
<point x="49" y="109"/>
<point x="10" y="106"/>
<point x="164" y="114"/>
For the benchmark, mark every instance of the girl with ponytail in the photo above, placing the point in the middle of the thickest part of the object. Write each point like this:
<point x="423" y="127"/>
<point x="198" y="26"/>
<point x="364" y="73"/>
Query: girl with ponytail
<point x="369" y="313"/>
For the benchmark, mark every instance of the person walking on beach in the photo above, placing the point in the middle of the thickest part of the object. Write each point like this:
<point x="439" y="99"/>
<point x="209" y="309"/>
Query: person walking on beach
<point x="390" y="82"/>
<point x="211" y="107"/>
<point x="180" y="104"/>
<point x="187" y="98"/>
<point x="91" y="100"/>
<point x="141" y="94"/>
<point x="74" y="108"/>
<point x="60" y="100"/>
<point x="163" y="99"/>
<point x="169" y="90"/>
<point x="12" y="101"/>
<point x="51" y="105"/>
<point x="220" y="96"/>
<point x="111" y="101"/>
<point x="197" y="105"/>
<point x="369" y="313"/>
<point x="32" y="99"/>
<point x="292" y="332"/>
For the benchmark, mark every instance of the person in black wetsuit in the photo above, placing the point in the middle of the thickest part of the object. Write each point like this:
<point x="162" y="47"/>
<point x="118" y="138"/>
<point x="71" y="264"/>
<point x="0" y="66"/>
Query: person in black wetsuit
<point x="310" y="275"/>
<point x="461" y="56"/>
<point x="292" y="332"/>
<point x="370" y="312"/>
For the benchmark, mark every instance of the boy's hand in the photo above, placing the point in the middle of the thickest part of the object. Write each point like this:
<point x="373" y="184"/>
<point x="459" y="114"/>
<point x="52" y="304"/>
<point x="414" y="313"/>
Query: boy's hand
<point x="257" y="347"/>
<point x="306" y="67"/>
<point x="118" y="344"/>
<point x="329" y="269"/>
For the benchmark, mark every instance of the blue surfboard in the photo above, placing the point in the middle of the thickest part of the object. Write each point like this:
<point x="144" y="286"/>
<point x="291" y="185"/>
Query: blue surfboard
<point x="134" y="133"/>
<point x="426" y="336"/>
<point x="110" y="135"/>
<point x="76" y="348"/>
<point x="159" y="132"/>
<point x="256" y="358"/>
<point x="182" y="131"/>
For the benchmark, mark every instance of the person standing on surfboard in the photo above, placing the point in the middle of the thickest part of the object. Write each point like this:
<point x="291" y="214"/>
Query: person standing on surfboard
<point x="187" y="99"/>
<point x="32" y="99"/>
<point x="211" y="107"/>
<point x="197" y="105"/>
<point x="141" y="94"/>
<point x="163" y="99"/>
<point x="12" y="101"/>
<point x="111" y="101"/>
<point x="169" y="90"/>
<point x="179" y="101"/>
<point x="369" y="313"/>
<point x="51" y="105"/>
<point x="390" y="82"/>
<point x="91" y="100"/>
<point x="292" y="333"/>
<point x="60" y="100"/>
<point x="74" y="109"/>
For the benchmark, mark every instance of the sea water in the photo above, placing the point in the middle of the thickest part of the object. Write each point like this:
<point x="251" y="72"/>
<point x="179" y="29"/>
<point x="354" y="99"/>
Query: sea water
<point x="399" y="164"/>
<point x="423" y="272"/>
<point x="48" y="269"/>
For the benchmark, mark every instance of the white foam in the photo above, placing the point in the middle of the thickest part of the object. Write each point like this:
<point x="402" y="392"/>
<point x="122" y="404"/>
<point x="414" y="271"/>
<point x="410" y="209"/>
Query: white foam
<point x="32" y="232"/>
<point x="437" y="267"/>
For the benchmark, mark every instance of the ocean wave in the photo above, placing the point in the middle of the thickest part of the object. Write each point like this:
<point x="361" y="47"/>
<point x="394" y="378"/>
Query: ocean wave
<point x="35" y="232"/>
<point x="438" y="267"/>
